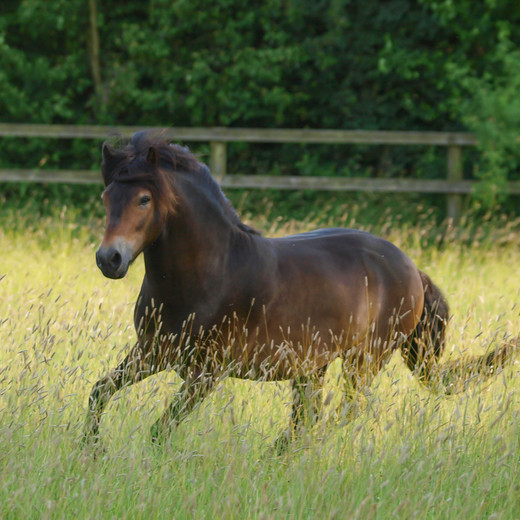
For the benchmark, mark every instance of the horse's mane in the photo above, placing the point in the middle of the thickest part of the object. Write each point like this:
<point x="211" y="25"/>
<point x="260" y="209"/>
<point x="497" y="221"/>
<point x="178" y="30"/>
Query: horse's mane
<point x="150" y="159"/>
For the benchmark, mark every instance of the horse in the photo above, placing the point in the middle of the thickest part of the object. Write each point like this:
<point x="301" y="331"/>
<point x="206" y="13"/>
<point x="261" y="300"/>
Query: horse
<point x="219" y="299"/>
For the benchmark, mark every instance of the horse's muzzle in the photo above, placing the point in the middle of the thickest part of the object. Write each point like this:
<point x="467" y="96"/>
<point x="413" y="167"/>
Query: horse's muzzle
<point x="113" y="261"/>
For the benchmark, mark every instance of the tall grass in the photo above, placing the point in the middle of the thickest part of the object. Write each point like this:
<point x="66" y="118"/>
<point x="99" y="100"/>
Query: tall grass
<point x="408" y="453"/>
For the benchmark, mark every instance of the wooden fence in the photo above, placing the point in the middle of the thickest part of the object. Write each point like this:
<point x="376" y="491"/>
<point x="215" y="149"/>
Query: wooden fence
<point x="454" y="186"/>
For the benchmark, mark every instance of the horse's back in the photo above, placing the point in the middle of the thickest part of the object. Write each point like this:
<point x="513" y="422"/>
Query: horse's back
<point x="348" y="250"/>
<point x="347" y="246"/>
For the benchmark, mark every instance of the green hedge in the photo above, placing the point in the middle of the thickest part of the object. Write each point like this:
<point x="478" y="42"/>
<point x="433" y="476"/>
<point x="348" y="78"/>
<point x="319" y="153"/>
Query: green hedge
<point x="393" y="65"/>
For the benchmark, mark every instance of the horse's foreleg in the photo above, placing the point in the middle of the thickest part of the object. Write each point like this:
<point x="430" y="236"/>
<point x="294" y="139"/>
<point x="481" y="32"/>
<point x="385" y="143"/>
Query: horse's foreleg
<point x="193" y="390"/>
<point x="128" y="372"/>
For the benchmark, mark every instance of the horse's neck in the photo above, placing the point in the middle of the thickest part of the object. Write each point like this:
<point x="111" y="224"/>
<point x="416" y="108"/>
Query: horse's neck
<point x="188" y="252"/>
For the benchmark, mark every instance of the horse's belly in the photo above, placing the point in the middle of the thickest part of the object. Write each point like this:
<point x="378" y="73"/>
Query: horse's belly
<point x="285" y="353"/>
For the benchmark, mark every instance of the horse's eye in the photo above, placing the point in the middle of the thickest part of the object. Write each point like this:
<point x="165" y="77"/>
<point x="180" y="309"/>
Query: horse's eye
<point x="145" y="200"/>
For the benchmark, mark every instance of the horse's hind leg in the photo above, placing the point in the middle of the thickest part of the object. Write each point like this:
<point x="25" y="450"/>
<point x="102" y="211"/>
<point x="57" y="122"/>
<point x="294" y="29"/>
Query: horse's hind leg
<point x="193" y="390"/>
<point x="358" y="370"/>
<point x="306" y="406"/>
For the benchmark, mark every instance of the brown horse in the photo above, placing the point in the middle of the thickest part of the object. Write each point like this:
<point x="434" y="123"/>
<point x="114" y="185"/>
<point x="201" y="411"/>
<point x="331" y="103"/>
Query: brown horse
<point x="219" y="299"/>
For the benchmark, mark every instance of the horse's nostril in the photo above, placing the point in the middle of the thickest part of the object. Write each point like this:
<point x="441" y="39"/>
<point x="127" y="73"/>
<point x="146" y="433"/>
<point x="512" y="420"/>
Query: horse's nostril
<point x="115" y="260"/>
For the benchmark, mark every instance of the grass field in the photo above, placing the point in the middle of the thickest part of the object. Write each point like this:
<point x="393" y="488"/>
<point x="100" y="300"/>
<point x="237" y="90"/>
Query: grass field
<point x="409" y="453"/>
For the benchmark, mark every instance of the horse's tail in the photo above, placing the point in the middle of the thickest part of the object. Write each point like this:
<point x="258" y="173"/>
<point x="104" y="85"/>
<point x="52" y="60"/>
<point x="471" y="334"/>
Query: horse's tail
<point x="424" y="347"/>
<point x="426" y="344"/>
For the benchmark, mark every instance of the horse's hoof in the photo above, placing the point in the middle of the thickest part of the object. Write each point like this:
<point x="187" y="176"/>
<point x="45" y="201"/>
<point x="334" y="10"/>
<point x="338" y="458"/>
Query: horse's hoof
<point x="281" y="444"/>
<point x="92" y="446"/>
<point x="157" y="435"/>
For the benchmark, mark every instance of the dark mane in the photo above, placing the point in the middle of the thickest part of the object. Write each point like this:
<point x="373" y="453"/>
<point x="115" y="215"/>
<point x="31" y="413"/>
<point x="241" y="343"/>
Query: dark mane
<point x="151" y="160"/>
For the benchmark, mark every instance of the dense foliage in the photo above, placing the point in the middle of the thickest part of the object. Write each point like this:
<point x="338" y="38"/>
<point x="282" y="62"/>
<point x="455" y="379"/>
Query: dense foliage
<point x="393" y="65"/>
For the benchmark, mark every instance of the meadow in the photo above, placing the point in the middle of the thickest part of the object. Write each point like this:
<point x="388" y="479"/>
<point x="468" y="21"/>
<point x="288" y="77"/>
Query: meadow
<point x="408" y="453"/>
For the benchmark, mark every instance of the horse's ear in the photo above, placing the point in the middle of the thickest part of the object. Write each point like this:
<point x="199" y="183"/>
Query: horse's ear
<point x="109" y="162"/>
<point x="152" y="157"/>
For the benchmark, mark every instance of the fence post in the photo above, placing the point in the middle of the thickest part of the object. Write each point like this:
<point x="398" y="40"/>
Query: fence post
<point x="218" y="159"/>
<point x="454" y="200"/>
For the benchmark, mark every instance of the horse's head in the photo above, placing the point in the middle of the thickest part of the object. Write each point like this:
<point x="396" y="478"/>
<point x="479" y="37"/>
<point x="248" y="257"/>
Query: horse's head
<point x="134" y="199"/>
<point x="147" y="182"/>
<point x="132" y="224"/>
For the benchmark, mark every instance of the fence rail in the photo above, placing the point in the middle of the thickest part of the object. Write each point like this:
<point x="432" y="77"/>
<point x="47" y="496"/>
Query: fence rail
<point x="252" y="135"/>
<point x="453" y="185"/>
